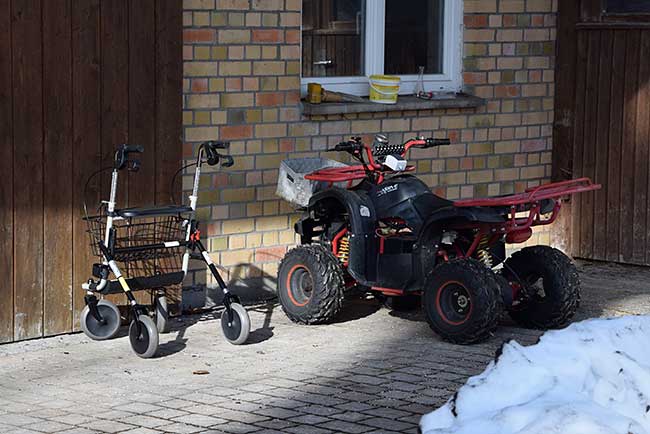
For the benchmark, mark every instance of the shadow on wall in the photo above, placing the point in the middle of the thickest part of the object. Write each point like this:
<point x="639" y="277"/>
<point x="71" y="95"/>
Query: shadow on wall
<point x="246" y="280"/>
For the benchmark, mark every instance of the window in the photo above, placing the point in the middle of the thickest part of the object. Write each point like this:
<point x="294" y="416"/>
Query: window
<point x="345" y="41"/>
<point x="628" y="6"/>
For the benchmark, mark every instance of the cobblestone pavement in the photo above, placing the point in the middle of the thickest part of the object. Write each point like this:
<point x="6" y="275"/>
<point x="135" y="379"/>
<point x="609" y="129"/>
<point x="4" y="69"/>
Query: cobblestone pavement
<point x="374" y="371"/>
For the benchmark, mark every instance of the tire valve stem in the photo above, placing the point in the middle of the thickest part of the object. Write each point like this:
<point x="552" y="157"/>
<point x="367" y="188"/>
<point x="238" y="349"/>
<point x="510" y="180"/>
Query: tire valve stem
<point x="344" y="249"/>
<point x="483" y="253"/>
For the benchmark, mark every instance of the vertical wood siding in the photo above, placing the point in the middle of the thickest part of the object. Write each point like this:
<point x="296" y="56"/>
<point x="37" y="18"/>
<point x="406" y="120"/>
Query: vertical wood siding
<point x="609" y="138"/>
<point x="77" y="77"/>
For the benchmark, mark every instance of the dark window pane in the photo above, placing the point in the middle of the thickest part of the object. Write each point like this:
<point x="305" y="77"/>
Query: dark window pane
<point x="332" y="38"/>
<point x="628" y="6"/>
<point x="414" y="36"/>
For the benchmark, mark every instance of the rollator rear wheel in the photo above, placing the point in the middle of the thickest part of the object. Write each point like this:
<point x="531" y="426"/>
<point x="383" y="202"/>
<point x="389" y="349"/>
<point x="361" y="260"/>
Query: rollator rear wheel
<point x="162" y="314"/>
<point x="236" y="331"/>
<point x="144" y="343"/>
<point x="106" y="329"/>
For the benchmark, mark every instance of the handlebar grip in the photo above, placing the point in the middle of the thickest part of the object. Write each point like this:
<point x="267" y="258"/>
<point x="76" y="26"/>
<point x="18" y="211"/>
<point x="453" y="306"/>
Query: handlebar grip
<point x="133" y="148"/>
<point x="122" y="155"/>
<point x="347" y="147"/>
<point x="227" y="161"/>
<point x="218" y="144"/>
<point x="431" y="142"/>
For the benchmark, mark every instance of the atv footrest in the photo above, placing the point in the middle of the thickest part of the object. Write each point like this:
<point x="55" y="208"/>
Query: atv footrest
<point x="148" y="282"/>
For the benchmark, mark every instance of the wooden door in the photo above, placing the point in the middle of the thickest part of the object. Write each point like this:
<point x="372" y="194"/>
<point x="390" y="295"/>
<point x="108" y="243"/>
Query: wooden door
<point x="602" y="127"/>
<point x="77" y="77"/>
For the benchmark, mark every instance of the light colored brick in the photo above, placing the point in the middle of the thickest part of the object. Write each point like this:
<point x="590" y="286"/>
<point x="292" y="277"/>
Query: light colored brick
<point x="483" y="35"/>
<point x="197" y="134"/>
<point x="271" y="130"/>
<point x="268" y="68"/>
<point x="474" y="6"/>
<point x="268" y="5"/>
<point x="232" y="4"/>
<point x="203" y="101"/>
<point x="198" y="4"/>
<point x="511" y="6"/>
<point x="204" y="69"/>
<point x="234" y="36"/>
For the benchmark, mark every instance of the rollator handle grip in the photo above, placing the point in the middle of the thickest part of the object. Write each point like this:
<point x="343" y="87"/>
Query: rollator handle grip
<point x="122" y="156"/>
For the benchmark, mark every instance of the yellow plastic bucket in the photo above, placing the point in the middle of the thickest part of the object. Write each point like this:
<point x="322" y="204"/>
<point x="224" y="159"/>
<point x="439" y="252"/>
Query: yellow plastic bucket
<point x="384" y="88"/>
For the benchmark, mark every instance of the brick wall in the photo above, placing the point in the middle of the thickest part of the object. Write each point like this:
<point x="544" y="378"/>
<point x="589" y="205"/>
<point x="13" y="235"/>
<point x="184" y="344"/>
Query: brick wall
<point x="241" y="83"/>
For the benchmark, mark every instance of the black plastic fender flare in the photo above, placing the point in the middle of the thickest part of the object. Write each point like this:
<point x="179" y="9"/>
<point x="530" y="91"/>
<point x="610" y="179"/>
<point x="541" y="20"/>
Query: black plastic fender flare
<point x="362" y="263"/>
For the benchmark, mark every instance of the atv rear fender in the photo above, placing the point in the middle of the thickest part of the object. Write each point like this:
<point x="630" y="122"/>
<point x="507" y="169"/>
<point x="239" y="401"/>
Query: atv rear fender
<point x="362" y="218"/>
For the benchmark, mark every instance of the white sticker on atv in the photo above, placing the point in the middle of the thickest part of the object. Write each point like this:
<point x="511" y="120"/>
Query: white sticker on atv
<point x="364" y="211"/>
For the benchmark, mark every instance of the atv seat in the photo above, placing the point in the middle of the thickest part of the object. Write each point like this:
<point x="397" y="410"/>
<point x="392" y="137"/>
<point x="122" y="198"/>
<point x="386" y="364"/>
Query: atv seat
<point x="157" y="211"/>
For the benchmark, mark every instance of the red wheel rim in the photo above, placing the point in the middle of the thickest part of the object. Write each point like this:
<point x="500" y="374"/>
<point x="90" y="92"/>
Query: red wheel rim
<point x="299" y="285"/>
<point x="453" y="303"/>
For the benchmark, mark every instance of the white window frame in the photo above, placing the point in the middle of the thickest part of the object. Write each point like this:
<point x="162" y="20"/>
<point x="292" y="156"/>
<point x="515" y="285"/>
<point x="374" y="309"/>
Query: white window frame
<point x="450" y="80"/>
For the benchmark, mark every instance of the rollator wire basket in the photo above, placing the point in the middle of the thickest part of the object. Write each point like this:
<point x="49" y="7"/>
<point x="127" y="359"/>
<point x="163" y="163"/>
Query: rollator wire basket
<point x="292" y="185"/>
<point x="138" y="232"/>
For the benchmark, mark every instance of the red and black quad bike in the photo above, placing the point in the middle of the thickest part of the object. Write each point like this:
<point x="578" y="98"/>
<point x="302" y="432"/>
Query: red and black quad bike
<point x="374" y="227"/>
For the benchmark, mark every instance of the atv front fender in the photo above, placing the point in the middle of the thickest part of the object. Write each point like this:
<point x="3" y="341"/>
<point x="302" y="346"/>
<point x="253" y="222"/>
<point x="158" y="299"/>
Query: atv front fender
<point x="362" y="220"/>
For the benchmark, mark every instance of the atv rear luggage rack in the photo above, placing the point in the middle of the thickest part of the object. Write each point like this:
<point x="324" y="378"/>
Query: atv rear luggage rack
<point x="534" y="194"/>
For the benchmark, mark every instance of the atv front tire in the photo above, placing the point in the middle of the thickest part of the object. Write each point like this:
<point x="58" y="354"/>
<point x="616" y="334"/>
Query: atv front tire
<point x="310" y="285"/>
<point x="550" y="287"/>
<point x="462" y="301"/>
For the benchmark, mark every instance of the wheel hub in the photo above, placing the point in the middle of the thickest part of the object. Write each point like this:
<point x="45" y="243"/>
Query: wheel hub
<point x="300" y="285"/>
<point x="454" y="303"/>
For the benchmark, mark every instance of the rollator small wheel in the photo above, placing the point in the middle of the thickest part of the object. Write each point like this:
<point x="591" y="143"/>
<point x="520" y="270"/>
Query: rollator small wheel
<point x="97" y="330"/>
<point x="162" y="314"/>
<point x="236" y="331"/>
<point x="145" y="343"/>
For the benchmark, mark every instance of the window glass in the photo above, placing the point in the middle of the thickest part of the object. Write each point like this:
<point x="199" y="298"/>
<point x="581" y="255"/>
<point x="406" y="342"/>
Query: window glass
<point x="628" y="6"/>
<point x="332" y="38"/>
<point x="414" y="36"/>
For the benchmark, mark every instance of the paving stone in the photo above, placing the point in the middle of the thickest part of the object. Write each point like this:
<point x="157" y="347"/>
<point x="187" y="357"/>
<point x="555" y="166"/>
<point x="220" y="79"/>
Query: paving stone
<point x="200" y="420"/>
<point x="48" y="426"/>
<point x="337" y="378"/>
<point x="145" y="421"/>
<point x="310" y="419"/>
<point x="346" y="427"/>
<point x="18" y="419"/>
<point x="110" y="426"/>
<point x="383" y="423"/>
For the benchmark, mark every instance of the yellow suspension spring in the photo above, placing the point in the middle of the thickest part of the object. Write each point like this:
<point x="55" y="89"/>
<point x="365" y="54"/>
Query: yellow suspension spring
<point x="483" y="253"/>
<point x="344" y="249"/>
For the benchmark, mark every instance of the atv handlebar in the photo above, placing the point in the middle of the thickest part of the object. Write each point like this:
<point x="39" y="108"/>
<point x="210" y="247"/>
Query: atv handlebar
<point x="356" y="147"/>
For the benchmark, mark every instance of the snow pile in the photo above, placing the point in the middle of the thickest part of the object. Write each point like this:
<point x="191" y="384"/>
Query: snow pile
<point x="590" y="378"/>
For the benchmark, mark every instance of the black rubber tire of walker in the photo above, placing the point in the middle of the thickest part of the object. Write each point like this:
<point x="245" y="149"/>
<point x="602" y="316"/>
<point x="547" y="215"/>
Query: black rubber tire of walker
<point x="237" y="331"/>
<point x="484" y="295"/>
<point x="161" y="310"/>
<point x="145" y="344"/>
<point x="327" y="294"/>
<point x="96" y="331"/>
<point x="561" y="284"/>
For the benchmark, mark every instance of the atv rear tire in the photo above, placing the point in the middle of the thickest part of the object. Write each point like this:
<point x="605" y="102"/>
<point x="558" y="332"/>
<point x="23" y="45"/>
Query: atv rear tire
<point x="552" y="295"/>
<point x="462" y="301"/>
<point x="310" y="285"/>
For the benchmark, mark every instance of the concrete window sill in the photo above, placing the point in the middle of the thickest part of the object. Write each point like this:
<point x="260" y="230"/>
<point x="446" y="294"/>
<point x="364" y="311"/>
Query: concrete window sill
<point x="404" y="103"/>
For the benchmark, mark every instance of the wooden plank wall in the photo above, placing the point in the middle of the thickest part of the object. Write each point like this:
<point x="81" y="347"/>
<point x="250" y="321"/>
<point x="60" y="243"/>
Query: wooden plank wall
<point x="77" y="77"/>
<point x="602" y="131"/>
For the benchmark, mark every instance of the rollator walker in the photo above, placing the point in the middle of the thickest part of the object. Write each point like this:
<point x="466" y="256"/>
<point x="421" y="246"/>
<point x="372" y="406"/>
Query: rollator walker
<point x="150" y="249"/>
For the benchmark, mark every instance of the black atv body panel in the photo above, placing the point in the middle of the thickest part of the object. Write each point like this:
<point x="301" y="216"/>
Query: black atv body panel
<point x="397" y="262"/>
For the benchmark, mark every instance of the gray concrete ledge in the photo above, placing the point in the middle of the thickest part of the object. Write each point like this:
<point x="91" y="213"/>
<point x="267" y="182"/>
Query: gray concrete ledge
<point x="458" y="100"/>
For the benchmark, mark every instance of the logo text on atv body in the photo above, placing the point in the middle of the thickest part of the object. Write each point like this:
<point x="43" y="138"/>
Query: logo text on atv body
<point x="387" y="189"/>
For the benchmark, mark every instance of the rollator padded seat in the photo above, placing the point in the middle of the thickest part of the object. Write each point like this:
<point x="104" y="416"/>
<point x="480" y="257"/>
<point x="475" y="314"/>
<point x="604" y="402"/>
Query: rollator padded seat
<point x="157" y="211"/>
<point x="149" y="282"/>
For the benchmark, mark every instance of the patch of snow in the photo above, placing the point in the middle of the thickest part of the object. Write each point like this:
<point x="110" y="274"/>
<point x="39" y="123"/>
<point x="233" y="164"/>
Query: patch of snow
<point x="590" y="378"/>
